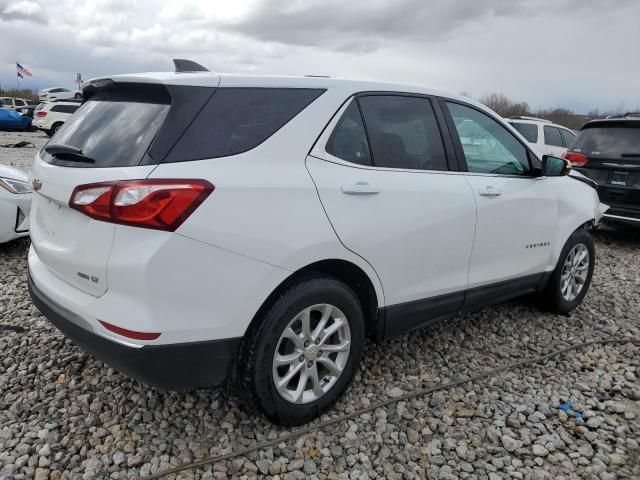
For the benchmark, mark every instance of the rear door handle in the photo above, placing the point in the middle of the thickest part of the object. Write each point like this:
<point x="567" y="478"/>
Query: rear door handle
<point x="489" y="191"/>
<point x="360" y="188"/>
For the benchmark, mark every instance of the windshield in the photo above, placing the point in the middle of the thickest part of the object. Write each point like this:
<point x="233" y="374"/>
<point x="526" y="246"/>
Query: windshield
<point x="114" y="128"/>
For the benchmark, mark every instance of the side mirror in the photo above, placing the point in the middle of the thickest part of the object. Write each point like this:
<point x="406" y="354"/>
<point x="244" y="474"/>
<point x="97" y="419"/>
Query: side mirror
<point x="554" y="166"/>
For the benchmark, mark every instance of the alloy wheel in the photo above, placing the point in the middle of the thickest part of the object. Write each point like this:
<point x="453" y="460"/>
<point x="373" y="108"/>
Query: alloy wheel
<point x="574" y="272"/>
<point x="311" y="354"/>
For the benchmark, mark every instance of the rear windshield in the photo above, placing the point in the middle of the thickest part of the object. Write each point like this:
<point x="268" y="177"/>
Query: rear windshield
<point x="614" y="142"/>
<point x="528" y="130"/>
<point x="114" y="127"/>
<point x="235" y="120"/>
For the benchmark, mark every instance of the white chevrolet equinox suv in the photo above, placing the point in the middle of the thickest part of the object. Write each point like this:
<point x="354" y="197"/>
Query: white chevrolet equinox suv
<point x="193" y="229"/>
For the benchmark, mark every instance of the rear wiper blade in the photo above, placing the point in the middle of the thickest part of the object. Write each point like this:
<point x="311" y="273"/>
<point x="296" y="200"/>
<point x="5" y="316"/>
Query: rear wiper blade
<point x="71" y="154"/>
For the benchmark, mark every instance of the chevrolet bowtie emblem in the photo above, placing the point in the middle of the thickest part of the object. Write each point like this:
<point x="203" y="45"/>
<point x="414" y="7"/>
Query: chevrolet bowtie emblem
<point x="36" y="184"/>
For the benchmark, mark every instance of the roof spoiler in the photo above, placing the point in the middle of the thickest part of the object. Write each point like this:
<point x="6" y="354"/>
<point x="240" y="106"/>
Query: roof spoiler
<point x="183" y="66"/>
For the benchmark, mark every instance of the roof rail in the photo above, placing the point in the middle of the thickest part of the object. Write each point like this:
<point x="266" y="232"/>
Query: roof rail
<point x="183" y="66"/>
<point x="524" y="117"/>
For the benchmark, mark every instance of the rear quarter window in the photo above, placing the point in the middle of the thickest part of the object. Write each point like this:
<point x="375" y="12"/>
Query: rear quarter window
<point x="236" y="120"/>
<point x="528" y="130"/>
<point x="65" y="108"/>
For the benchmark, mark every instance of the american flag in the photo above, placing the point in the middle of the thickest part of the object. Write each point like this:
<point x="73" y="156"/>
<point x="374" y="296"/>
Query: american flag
<point x="22" y="72"/>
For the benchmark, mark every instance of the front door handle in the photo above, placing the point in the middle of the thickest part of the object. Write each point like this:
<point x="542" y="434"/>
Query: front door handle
<point x="489" y="191"/>
<point x="360" y="188"/>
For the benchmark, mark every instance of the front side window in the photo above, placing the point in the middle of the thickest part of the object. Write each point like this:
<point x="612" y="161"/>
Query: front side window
<point x="403" y="132"/>
<point x="567" y="137"/>
<point x="488" y="146"/>
<point x="528" y="130"/>
<point x="348" y="140"/>
<point x="552" y="137"/>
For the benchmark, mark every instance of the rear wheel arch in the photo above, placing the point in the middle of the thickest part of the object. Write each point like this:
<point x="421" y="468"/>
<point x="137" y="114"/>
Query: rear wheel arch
<point x="347" y="272"/>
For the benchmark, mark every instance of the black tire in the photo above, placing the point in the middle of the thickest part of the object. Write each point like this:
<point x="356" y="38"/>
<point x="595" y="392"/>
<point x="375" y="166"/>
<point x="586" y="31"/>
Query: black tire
<point x="253" y="379"/>
<point x="54" y="128"/>
<point x="551" y="298"/>
<point x="77" y="96"/>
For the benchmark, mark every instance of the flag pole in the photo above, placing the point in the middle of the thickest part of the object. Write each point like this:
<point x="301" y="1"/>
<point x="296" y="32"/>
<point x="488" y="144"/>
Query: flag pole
<point x="17" y="77"/>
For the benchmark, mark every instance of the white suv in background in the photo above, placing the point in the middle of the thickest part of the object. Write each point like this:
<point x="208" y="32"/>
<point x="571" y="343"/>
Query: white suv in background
<point x="50" y="116"/>
<point x="191" y="228"/>
<point x="544" y="136"/>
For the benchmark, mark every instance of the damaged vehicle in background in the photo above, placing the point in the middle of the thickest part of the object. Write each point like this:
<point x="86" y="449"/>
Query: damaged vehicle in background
<point x="262" y="227"/>
<point x="608" y="152"/>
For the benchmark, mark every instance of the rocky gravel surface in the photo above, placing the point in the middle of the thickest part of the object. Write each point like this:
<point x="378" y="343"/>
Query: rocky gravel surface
<point x="64" y="415"/>
<point x="20" y="157"/>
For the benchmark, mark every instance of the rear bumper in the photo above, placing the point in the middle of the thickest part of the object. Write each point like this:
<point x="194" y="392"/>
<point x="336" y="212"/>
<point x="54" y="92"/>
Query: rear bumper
<point x="183" y="366"/>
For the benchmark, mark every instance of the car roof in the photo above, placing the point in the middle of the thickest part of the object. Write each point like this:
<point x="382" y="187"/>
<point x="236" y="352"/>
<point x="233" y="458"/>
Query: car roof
<point x="633" y="121"/>
<point x="211" y="79"/>
<point x="546" y="123"/>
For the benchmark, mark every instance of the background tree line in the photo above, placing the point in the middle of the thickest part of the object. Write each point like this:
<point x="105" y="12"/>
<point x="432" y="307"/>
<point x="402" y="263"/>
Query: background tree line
<point x="506" y="107"/>
<point x="28" y="93"/>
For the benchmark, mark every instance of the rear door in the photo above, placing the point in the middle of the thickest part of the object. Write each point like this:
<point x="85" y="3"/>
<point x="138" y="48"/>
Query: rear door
<point x="391" y="198"/>
<point x="113" y="130"/>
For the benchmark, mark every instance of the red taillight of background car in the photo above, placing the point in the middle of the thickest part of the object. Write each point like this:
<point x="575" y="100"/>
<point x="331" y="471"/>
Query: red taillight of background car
<point x="42" y="114"/>
<point x="162" y="204"/>
<point x="577" y="159"/>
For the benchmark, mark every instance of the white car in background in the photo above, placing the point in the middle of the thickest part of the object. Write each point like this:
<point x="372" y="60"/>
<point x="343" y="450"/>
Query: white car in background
<point x="256" y="229"/>
<point x="58" y="92"/>
<point x="15" y="203"/>
<point x="50" y="116"/>
<point x="546" y="137"/>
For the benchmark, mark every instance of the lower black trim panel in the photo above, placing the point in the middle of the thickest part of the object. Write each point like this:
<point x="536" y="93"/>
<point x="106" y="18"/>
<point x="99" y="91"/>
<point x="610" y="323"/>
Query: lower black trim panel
<point x="397" y="319"/>
<point x="182" y="366"/>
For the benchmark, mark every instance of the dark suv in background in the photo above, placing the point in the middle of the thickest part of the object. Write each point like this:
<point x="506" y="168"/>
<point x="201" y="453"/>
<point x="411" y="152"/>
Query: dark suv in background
<point x="608" y="152"/>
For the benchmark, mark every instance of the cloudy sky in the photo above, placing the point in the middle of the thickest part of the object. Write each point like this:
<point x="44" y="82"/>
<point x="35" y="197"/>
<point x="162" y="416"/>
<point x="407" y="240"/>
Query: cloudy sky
<point x="582" y="54"/>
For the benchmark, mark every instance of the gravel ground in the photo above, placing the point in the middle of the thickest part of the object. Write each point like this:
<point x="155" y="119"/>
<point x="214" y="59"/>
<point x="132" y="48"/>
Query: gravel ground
<point x="20" y="157"/>
<point x="65" y="415"/>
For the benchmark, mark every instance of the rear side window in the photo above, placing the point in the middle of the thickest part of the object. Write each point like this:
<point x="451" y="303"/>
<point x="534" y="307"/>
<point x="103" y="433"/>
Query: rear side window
<point x="236" y="120"/>
<point x="114" y="127"/>
<point x="65" y="108"/>
<point x="614" y="142"/>
<point x="552" y="137"/>
<point x="20" y="103"/>
<point x="528" y="130"/>
<point x="567" y="137"/>
<point x="348" y="140"/>
<point x="403" y="132"/>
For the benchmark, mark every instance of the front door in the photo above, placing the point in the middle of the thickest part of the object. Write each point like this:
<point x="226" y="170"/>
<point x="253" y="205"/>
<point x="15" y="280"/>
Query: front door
<point x="516" y="211"/>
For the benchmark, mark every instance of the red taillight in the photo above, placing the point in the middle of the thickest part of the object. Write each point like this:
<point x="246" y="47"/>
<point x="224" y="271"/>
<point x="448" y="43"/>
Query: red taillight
<point x="130" y="333"/>
<point x="162" y="204"/>
<point x="42" y="114"/>
<point x="577" y="159"/>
